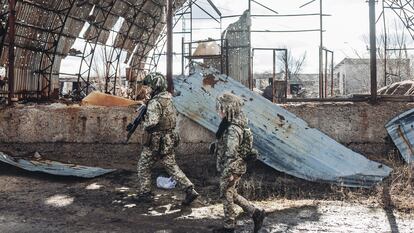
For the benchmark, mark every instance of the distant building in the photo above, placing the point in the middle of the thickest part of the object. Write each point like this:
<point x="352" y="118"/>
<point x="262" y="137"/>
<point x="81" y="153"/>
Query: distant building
<point x="353" y="75"/>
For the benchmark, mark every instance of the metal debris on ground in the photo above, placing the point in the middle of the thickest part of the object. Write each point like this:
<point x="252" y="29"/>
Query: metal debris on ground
<point x="401" y="131"/>
<point x="54" y="168"/>
<point x="285" y="142"/>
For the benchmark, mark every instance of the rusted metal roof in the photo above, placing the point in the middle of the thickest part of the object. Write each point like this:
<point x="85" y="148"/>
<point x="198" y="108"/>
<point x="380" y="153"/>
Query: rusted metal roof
<point x="285" y="142"/>
<point x="401" y="131"/>
<point x="54" y="168"/>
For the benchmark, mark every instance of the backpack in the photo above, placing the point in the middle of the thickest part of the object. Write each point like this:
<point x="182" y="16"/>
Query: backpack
<point x="246" y="150"/>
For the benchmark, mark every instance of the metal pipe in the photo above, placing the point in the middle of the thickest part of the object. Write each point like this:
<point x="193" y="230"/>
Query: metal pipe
<point x="182" y="56"/>
<point x="332" y="73"/>
<point x="270" y="9"/>
<point x="170" y="46"/>
<point x="214" y="7"/>
<point x="373" y="51"/>
<point x="326" y="74"/>
<point x="249" y="57"/>
<point x="286" y="72"/>
<point x="191" y="23"/>
<point x="307" y="4"/>
<point x="190" y="44"/>
<point x="222" y="55"/>
<point x="12" y="32"/>
<point x="201" y="8"/>
<point x="277" y="31"/>
<point x="227" y="57"/>
<point x="290" y="15"/>
<point x="274" y="76"/>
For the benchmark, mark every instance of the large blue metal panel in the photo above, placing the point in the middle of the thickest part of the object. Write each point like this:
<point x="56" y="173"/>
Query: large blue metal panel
<point x="285" y="142"/>
<point x="401" y="131"/>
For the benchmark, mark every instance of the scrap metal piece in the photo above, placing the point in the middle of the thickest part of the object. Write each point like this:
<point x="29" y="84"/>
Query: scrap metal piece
<point x="401" y="131"/>
<point x="285" y="142"/>
<point x="55" y="168"/>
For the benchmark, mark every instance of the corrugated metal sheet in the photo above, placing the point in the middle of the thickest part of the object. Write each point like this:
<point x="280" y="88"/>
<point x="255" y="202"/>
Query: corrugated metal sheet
<point x="285" y="142"/>
<point x="401" y="131"/>
<point x="55" y="168"/>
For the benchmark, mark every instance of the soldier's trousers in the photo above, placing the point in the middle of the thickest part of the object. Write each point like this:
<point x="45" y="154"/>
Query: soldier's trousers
<point x="147" y="161"/>
<point x="230" y="197"/>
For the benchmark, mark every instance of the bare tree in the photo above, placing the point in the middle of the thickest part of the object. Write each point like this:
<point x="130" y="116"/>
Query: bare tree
<point x="99" y="69"/>
<point x="294" y="64"/>
<point x="392" y="54"/>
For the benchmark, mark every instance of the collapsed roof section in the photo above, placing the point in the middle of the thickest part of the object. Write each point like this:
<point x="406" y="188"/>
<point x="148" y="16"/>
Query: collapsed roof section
<point x="401" y="132"/>
<point x="285" y="142"/>
<point x="47" y="30"/>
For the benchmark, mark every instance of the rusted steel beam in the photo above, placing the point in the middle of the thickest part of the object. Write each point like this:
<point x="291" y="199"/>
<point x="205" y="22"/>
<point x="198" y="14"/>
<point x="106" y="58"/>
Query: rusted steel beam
<point x="3" y="25"/>
<point x="12" y="32"/>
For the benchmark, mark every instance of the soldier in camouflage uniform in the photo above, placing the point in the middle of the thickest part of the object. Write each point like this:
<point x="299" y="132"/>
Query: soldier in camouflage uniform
<point x="233" y="148"/>
<point x="159" y="123"/>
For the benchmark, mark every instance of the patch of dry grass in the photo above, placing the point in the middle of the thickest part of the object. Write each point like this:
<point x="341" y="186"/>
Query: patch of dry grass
<point x="399" y="189"/>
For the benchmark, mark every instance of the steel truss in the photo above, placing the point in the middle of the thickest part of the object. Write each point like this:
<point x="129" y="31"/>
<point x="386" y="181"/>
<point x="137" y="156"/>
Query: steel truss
<point x="404" y="9"/>
<point x="100" y="12"/>
<point x="113" y="63"/>
<point x="138" y="59"/>
<point x="160" y="44"/>
<point x="49" y="52"/>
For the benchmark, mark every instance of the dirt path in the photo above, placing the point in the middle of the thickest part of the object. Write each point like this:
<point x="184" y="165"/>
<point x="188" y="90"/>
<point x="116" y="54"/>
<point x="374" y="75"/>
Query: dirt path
<point x="32" y="202"/>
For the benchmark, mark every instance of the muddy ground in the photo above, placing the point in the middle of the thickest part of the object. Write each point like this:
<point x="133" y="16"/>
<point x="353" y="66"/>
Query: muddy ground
<point x="35" y="202"/>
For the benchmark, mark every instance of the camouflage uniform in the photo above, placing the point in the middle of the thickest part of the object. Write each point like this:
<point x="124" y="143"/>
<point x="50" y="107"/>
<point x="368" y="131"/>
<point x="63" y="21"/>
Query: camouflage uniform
<point x="231" y="147"/>
<point x="160" y="121"/>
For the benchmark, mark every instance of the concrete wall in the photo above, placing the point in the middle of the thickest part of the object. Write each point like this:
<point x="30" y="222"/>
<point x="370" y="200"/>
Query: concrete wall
<point x="352" y="124"/>
<point x="359" y="126"/>
<point x="80" y="124"/>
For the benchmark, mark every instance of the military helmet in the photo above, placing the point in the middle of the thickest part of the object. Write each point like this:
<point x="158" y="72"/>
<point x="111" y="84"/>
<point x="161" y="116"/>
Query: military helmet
<point x="156" y="81"/>
<point x="229" y="104"/>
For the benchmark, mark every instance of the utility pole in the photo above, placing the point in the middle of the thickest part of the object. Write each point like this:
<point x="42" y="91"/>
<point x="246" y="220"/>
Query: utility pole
<point x="170" y="46"/>
<point x="12" y="32"/>
<point x="320" y="51"/>
<point x="373" y="51"/>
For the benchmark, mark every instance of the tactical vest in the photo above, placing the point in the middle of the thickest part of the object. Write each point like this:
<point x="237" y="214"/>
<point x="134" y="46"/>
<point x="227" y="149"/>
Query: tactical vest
<point x="167" y="119"/>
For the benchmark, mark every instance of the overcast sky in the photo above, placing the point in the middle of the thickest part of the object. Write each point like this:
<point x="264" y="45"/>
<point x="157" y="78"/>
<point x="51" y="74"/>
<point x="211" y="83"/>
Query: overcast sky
<point x="346" y="33"/>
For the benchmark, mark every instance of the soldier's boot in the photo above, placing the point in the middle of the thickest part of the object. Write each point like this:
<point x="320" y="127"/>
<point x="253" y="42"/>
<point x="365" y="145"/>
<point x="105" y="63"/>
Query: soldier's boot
<point x="190" y="196"/>
<point x="258" y="217"/>
<point x="144" y="197"/>
<point x="223" y="230"/>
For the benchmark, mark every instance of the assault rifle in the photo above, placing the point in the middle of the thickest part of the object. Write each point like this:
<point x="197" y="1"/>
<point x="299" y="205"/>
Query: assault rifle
<point x="133" y="126"/>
